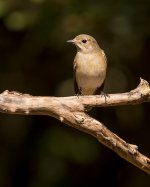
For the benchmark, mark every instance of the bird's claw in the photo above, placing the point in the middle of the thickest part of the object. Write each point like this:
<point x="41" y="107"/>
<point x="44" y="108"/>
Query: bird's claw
<point x="79" y="93"/>
<point x="105" y="95"/>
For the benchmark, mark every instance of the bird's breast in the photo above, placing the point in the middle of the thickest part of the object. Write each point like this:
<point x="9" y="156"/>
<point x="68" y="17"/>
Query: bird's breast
<point x="90" y="71"/>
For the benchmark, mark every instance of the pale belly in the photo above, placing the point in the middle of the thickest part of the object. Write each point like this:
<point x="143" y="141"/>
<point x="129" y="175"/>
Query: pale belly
<point x="90" y="76"/>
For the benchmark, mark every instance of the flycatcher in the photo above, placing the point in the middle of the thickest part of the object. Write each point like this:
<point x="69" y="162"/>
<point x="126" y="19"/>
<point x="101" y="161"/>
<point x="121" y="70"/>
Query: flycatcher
<point x="89" y="66"/>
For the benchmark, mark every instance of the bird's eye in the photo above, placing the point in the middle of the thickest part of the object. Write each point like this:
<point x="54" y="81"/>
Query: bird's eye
<point x="84" y="41"/>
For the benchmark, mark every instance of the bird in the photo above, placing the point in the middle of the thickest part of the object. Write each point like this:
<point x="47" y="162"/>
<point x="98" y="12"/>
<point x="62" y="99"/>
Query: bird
<point x="89" y="66"/>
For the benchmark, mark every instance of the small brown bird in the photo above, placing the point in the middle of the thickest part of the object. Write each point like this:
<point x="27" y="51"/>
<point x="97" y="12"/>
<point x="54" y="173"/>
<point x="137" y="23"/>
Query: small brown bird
<point x="89" y="66"/>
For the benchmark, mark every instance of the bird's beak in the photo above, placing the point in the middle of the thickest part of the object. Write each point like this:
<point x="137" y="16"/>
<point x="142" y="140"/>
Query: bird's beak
<point x="70" y="41"/>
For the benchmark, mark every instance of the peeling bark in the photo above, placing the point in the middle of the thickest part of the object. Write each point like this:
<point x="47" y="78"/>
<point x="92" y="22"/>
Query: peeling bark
<point x="71" y="111"/>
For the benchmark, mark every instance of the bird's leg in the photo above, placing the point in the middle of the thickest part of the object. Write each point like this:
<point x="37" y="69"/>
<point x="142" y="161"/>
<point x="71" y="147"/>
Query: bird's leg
<point x="79" y="93"/>
<point x="105" y="95"/>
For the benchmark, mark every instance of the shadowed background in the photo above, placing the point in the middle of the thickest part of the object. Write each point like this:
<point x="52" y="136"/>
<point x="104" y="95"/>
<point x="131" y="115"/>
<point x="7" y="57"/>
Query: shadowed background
<point x="39" y="151"/>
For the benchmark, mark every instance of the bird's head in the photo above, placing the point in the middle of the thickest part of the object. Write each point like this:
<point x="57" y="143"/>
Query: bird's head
<point x="85" y="43"/>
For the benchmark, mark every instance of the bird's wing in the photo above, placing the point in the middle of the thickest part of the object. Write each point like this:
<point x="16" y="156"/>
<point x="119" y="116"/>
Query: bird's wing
<point x="103" y="53"/>
<point x="76" y="89"/>
<point x="100" y="89"/>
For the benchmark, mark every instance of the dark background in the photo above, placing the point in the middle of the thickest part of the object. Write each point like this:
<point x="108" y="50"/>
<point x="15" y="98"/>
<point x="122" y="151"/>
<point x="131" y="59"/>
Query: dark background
<point x="39" y="151"/>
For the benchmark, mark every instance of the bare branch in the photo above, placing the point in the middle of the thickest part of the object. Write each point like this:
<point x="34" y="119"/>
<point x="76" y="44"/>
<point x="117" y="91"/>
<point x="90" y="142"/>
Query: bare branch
<point x="71" y="110"/>
<point x="139" y="95"/>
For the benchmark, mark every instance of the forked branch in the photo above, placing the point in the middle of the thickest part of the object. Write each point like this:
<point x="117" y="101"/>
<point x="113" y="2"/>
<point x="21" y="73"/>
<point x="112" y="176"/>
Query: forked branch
<point x="71" y="111"/>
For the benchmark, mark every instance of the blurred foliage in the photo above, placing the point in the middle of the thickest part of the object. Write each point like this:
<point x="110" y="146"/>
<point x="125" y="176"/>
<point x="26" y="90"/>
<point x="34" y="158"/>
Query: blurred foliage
<point x="38" y="151"/>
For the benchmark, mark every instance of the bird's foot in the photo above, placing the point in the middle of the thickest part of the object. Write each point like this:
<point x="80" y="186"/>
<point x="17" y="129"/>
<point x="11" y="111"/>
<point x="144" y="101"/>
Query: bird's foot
<point x="79" y="93"/>
<point x="105" y="95"/>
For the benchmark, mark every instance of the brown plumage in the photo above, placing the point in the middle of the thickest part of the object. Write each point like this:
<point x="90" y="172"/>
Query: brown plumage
<point x="89" y="65"/>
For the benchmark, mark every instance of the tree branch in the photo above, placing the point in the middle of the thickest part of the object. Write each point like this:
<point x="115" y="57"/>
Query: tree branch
<point x="71" y="111"/>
